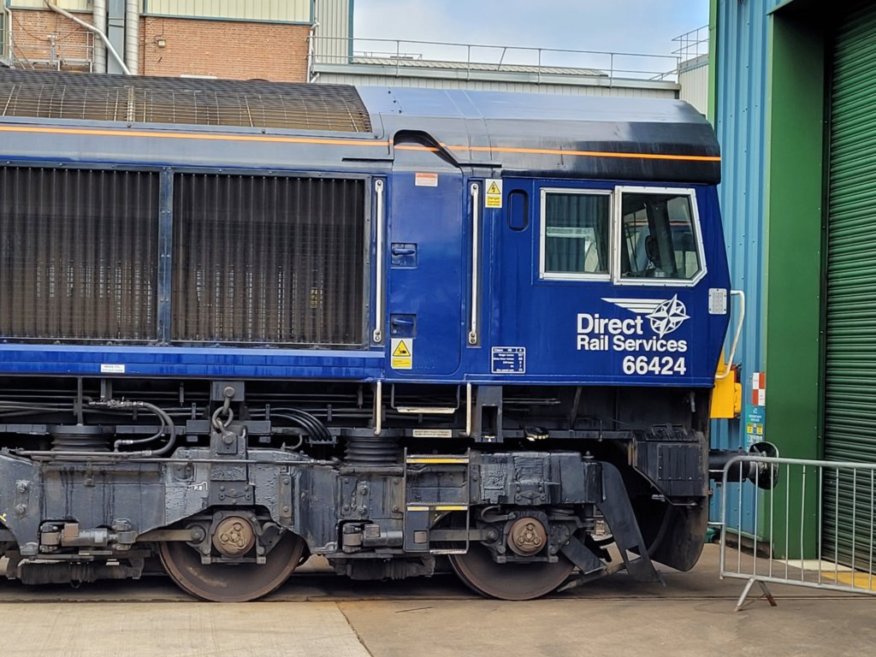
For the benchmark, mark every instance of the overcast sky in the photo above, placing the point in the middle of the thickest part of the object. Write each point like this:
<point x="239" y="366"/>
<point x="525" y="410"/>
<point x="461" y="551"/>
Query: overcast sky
<point x="641" y="26"/>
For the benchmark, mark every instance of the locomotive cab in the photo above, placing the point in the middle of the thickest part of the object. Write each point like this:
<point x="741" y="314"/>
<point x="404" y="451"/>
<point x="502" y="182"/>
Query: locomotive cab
<point x="384" y="326"/>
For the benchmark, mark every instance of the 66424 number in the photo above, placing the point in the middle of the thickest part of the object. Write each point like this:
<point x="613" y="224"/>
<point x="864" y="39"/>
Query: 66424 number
<point x="660" y="365"/>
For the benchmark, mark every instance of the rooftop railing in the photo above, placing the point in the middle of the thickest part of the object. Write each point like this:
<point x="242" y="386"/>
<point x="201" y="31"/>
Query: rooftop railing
<point x="399" y="57"/>
<point x="691" y="45"/>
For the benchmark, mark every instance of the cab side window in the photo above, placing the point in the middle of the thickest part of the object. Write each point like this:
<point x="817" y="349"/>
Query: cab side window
<point x="657" y="236"/>
<point x="575" y="231"/>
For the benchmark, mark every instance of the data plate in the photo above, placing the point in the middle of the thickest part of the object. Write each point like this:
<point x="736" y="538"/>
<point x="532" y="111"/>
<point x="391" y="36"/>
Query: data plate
<point x="509" y="360"/>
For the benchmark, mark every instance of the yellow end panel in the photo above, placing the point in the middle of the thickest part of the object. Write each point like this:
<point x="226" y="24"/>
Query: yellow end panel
<point x="726" y="397"/>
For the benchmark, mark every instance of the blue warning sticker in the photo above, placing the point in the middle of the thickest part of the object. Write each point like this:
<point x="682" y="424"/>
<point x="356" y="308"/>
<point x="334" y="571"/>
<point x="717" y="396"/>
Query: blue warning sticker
<point x="509" y="360"/>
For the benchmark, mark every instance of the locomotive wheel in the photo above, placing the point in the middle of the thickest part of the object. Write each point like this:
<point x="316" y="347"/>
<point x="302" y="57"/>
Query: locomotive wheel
<point x="220" y="582"/>
<point x="508" y="581"/>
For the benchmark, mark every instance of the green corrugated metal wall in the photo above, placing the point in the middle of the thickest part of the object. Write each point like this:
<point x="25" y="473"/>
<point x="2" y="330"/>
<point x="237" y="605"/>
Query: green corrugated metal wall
<point x="850" y="359"/>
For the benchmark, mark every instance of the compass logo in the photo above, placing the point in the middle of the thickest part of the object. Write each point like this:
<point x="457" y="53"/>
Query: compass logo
<point x="668" y="316"/>
<point x="665" y="315"/>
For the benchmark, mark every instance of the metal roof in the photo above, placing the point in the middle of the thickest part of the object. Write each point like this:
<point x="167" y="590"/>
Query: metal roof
<point x="568" y="136"/>
<point x="582" y="136"/>
<point x="255" y="104"/>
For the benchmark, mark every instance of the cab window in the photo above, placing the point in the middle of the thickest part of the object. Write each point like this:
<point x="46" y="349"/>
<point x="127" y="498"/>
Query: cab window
<point x="575" y="228"/>
<point x="658" y="239"/>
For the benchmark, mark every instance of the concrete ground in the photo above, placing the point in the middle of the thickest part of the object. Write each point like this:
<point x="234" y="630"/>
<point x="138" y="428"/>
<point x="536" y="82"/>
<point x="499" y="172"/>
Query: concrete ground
<point x="319" y="614"/>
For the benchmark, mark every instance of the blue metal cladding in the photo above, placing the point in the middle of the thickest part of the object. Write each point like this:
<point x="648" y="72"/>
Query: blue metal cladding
<point x="740" y="124"/>
<point x="429" y="304"/>
<point x="742" y="60"/>
<point x="545" y="316"/>
<point x="153" y="361"/>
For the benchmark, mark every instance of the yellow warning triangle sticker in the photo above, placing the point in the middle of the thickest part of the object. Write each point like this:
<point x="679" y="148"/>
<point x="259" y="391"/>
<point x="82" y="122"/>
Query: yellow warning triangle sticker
<point x="402" y="350"/>
<point x="493" y="189"/>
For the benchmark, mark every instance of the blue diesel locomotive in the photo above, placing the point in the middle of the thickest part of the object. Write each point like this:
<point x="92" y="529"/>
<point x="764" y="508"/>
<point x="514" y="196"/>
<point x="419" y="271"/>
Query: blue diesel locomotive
<point x="245" y="322"/>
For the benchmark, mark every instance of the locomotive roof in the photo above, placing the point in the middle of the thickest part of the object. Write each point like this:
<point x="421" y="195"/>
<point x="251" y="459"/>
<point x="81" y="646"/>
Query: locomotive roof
<point x="541" y="134"/>
<point x="526" y="134"/>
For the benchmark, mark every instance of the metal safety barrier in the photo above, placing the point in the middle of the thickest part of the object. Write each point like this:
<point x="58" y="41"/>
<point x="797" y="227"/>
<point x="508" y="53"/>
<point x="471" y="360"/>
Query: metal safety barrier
<point x="805" y="523"/>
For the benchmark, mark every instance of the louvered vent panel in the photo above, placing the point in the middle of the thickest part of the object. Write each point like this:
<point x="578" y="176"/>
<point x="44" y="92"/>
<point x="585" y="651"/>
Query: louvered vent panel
<point x="255" y="104"/>
<point x="268" y="260"/>
<point x="78" y="254"/>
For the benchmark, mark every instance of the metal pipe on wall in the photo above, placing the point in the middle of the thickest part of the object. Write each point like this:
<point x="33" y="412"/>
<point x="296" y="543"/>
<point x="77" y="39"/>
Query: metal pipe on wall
<point x="99" y="19"/>
<point x="8" y="46"/>
<point x="90" y="28"/>
<point x="132" y="35"/>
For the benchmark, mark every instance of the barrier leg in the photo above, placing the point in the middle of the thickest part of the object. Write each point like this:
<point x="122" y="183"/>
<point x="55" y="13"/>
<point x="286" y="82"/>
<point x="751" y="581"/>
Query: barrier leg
<point x="765" y="593"/>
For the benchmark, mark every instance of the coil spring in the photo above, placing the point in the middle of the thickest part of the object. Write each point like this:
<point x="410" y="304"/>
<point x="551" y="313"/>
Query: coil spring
<point x="372" y="451"/>
<point x="80" y="438"/>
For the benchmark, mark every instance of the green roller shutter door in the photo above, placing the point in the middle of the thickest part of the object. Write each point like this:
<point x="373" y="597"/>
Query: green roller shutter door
<point x="850" y="363"/>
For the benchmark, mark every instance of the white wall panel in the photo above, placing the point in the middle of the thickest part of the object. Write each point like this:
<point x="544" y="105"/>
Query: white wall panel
<point x="70" y="5"/>
<point x="289" y="11"/>
<point x="334" y="31"/>
<point x="694" y="83"/>
<point x="292" y="11"/>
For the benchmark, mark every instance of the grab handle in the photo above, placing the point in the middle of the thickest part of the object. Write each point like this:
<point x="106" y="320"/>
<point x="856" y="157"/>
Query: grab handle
<point x="377" y="336"/>
<point x="739" y="321"/>
<point x="475" y="193"/>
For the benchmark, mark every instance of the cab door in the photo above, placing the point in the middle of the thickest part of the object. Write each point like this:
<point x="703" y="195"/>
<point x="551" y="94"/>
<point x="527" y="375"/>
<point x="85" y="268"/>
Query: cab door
<point x="425" y="266"/>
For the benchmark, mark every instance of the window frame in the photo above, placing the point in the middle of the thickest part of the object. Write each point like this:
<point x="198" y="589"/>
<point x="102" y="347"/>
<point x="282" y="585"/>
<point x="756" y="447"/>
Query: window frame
<point x="542" y="230"/>
<point x="617" y="219"/>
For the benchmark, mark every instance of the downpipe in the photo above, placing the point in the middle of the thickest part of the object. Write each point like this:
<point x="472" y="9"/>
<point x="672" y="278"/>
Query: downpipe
<point x="91" y="28"/>
<point x="98" y="19"/>
<point x="132" y="35"/>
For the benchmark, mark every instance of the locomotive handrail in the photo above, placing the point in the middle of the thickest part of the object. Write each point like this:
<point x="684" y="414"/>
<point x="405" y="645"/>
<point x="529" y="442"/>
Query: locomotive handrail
<point x="468" y="410"/>
<point x="475" y="262"/>
<point x="377" y="336"/>
<point x="736" y="335"/>
<point x="378" y="408"/>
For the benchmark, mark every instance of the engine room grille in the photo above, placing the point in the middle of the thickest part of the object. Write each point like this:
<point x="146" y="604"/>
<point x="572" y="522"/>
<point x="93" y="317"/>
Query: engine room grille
<point x="255" y="104"/>
<point x="78" y="254"/>
<point x="260" y="259"/>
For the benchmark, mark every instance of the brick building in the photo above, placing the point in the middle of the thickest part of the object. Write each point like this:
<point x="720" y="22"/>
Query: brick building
<point x="266" y="39"/>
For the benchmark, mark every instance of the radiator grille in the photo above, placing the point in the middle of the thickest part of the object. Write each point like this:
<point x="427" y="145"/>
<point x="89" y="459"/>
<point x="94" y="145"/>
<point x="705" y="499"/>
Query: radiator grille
<point x="78" y="254"/>
<point x="272" y="260"/>
<point x="254" y="104"/>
